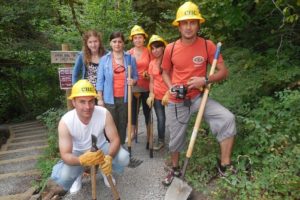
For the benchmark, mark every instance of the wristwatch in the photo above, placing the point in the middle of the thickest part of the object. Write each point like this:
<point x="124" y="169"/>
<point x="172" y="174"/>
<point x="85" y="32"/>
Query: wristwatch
<point x="206" y="81"/>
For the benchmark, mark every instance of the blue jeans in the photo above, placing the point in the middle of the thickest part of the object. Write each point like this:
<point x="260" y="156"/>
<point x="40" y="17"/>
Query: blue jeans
<point x="64" y="174"/>
<point x="161" y="119"/>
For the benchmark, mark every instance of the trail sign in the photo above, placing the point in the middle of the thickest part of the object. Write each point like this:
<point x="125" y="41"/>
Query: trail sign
<point x="67" y="58"/>
<point x="65" y="78"/>
<point x="63" y="56"/>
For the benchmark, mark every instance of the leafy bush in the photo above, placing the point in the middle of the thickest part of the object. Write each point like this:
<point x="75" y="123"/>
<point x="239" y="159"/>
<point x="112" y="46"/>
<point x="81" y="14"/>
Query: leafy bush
<point x="265" y="151"/>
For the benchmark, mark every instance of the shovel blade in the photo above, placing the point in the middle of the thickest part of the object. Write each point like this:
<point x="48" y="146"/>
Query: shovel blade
<point x="178" y="190"/>
<point x="134" y="163"/>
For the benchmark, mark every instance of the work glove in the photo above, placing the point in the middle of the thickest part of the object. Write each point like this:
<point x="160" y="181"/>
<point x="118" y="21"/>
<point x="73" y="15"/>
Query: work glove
<point x="150" y="100"/>
<point x="107" y="165"/>
<point x="137" y="95"/>
<point x="146" y="75"/>
<point x="165" y="99"/>
<point x="201" y="88"/>
<point x="91" y="158"/>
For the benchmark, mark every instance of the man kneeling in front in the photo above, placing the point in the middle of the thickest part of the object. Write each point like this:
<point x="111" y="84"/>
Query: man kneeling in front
<point x="75" y="132"/>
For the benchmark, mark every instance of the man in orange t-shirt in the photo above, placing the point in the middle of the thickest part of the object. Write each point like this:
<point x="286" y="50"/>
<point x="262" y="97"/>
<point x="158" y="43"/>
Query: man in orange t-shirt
<point x="184" y="70"/>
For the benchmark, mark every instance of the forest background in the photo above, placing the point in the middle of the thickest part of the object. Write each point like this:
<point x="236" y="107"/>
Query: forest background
<point x="261" y="47"/>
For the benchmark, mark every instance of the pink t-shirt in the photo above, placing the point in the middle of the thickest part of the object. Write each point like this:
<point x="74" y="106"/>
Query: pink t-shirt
<point x="142" y="66"/>
<point x="119" y="79"/>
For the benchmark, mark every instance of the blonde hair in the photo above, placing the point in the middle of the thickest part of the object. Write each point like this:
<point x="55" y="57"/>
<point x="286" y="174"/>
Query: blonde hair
<point x="87" y="54"/>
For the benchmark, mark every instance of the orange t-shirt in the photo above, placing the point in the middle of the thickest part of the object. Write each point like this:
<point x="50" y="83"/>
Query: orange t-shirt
<point x="159" y="86"/>
<point x="188" y="61"/>
<point x="119" y="80"/>
<point x="142" y="65"/>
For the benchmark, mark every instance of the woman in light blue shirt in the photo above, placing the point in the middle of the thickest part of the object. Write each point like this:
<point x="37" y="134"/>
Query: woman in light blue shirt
<point x="113" y="81"/>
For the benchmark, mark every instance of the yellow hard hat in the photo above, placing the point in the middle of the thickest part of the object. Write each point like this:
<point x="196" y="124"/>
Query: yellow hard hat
<point x="188" y="10"/>
<point x="155" y="38"/>
<point x="82" y="88"/>
<point x="137" y="30"/>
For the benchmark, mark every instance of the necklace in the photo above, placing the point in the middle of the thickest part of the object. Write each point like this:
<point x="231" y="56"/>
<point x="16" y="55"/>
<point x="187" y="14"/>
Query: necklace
<point x="118" y="56"/>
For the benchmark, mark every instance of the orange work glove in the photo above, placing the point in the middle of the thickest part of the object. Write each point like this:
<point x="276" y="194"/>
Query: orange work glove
<point x="146" y="75"/>
<point x="91" y="158"/>
<point x="150" y="100"/>
<point x="165" y="99"/>
<point x="107" y="165"/>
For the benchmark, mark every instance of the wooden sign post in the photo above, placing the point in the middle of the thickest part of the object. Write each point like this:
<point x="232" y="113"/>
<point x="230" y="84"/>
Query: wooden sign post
<point x="67" y="58"/>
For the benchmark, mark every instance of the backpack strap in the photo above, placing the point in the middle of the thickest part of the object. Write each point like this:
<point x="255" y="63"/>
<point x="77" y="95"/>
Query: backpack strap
<point x="207" y="58"/>
<point x="172" y="53"/>
<point x="207" y="55"/>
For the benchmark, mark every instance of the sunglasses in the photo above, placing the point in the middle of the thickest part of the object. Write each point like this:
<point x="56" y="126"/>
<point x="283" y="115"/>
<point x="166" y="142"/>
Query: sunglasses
<point x="119" y="69"/>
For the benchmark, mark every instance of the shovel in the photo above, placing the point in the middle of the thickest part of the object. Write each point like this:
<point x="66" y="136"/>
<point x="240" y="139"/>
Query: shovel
<point x="133" y="162"/>
<point x="93" y="169"/>
<point x="137" y="96"/>
<point x="93" y="175"/>
<point x="150" y="131"/>
<point x="180" y="190"/>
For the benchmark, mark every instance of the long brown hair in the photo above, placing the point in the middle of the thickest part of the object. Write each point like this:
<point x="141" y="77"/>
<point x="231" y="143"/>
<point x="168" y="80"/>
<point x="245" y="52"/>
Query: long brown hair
<point x="87" y="54"/>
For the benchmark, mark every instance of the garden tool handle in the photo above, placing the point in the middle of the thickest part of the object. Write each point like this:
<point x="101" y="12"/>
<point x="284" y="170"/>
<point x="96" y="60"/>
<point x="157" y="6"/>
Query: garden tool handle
<point x="113" y="187"/>
<point x="93" y="169"/>
<point x="129" y="109"/>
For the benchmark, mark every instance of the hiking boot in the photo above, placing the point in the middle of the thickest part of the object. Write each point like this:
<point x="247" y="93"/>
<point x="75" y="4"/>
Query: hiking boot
<point x="76" y="186"/>
<point x="226" y="170"/>
<point x="52" y="189"/>
<point x="160" y="144"/>
<point x="169" y="178"/>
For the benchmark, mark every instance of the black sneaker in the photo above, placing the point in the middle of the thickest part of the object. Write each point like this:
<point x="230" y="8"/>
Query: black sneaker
<point x="169" y="178"/>
<point x="226" y="170"/>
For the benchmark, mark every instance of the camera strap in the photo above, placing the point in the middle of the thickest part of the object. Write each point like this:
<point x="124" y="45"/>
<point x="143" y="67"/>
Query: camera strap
<point x="187" y="103"/>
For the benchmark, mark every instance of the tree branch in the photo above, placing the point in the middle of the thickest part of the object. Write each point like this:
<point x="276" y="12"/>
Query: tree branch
<point x="71" y="4"/>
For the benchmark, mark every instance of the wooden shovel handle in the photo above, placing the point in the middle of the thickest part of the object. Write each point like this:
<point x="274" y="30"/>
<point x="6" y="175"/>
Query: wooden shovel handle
<point x="202" y="105"/>
<point x="113" y="187"/>
<point x="129" y="94"/>
<point x="93" y="180"/>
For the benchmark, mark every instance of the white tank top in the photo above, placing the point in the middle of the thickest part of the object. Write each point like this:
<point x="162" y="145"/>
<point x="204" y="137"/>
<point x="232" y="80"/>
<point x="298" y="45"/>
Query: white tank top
<point x="81" y="133"/>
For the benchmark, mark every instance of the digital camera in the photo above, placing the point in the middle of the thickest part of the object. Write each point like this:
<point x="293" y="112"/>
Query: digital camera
<point x="180" y="90"/>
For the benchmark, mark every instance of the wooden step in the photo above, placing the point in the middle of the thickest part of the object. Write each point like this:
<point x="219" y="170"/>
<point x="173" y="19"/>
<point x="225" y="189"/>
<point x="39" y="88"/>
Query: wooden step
<point x="18" y="153"/>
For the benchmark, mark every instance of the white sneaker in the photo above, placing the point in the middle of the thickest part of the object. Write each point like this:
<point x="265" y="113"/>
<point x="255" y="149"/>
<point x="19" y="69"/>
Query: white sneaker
<point x="76" y="185"/>
<point x="106" y="181"/>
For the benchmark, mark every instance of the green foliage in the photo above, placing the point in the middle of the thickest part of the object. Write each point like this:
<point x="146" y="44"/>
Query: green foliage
<point x="261" y="50"/>
<point x="265" y="150"/>
<point x="270" y="138"/>
<point x="26" y="76"/>
<point x="102" y="15"/>
<point x="253" y="75"/>
<point x="50" y="157"/>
